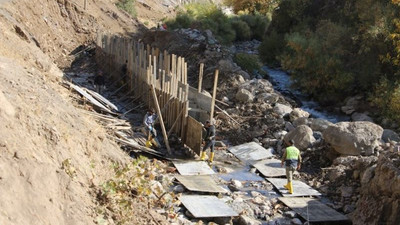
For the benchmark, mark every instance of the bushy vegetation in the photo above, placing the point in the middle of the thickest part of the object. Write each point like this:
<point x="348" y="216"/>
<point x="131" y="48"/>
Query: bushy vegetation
<point x="131" y="184"/>
<point x="128" y="6"/>
<point x="252" y="6"/>
<point x="226" y="29"/>
<point x="249" y="63"/>
<point x="338" y="49"/>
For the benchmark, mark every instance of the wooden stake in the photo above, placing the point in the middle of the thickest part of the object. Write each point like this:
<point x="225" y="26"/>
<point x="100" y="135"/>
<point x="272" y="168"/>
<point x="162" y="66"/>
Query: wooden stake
<point x="214" y="95"/>
<point x="201" y="76"/>
<point x="153" y="91"/>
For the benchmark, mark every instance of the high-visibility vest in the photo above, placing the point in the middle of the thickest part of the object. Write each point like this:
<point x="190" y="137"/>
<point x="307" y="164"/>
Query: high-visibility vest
<point x="292" y="153"/>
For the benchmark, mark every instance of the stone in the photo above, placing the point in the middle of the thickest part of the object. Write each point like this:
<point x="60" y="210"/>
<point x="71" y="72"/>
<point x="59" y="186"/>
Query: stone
<point x="352" y="104"/>
<point x="291" y="214"/>
<point x="220" y="144"/>
<point x="354" y="138"/>
<point x="280" y="134"/>
<point x="361" y="117"/>
<point x="179" y="189"/>
<point x="282" y="110"/>
<point x="270" y="98"/>
<point x="319" y="124"/>
<point x="346" y="192"/>
<point x="368" y="175"/>
<point x="289" y="126"/>
<point x="235" y="185"/>
<point x="255" y="193"/>
<point x="349" y="208"/>
<point x="298" y="113"/>
<point x="390" y="135"/>
<point x="244" y="95"/>
<point x="246" y="220"/>
<point x="296" y="221"/>
<point x="302" y="137"/>
<point x="302" y="121"/>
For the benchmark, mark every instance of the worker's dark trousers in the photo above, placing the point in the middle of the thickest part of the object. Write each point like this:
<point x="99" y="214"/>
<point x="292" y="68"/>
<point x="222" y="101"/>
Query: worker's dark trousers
<point x="209" y="144"/>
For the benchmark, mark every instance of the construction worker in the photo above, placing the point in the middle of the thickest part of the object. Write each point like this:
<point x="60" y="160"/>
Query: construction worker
<point x="292" y="159"/>
<point x="209" y="140"/>
<point x="99" y="82"/>
<point x="148" y="121"/>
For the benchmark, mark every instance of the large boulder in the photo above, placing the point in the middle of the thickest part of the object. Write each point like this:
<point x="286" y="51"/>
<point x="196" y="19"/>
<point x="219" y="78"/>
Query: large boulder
<point x="244" y="95"/>
<point x="282" y="110"/>
<point x="320" y="124"/>
<point x="390" y="135"/>
<point x="298" y="113"/>
<point x="353" y="138"/>
<point x="302" y="137"/>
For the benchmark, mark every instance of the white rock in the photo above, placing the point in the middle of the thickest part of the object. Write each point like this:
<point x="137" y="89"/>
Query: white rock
<point x="354" y="138"/>
<point x="298" y="113"/>
<point x="302" y="136"/>
<point x="244" y="95"/>
<point x="282" y="110"/>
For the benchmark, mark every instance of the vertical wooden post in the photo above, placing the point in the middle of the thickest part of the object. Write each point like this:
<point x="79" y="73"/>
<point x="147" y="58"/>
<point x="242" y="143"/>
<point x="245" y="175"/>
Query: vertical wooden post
<point x="201" y="77"/>
<point x="214" y="95"/>
<point x="85" y="4"/>
<point x="161" y="119"/>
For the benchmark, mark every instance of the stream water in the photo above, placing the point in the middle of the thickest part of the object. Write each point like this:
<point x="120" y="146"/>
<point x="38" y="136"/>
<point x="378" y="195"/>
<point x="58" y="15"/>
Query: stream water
<point x="282" y="83"/>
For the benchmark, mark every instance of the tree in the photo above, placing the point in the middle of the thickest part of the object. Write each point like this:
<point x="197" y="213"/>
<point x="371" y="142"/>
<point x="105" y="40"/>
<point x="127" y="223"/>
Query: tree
<point x="252" y="6"/>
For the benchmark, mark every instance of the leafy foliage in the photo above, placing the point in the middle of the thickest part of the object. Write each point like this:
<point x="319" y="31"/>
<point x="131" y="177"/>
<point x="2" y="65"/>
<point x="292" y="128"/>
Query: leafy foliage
<point x="133" y="182"/>
<point x="128" y="6"/>
<point x="226" y="29"/>
<point x="336" y="49"/>
<point x="252" y="6"/>
<point x="248" y="62"/>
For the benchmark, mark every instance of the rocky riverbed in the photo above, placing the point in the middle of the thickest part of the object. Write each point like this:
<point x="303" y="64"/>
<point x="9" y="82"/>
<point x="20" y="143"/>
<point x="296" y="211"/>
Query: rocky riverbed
<point x="351" y="163"/>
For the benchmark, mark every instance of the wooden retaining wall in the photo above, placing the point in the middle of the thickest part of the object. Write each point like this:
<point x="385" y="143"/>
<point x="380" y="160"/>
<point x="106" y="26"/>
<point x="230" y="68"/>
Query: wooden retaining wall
<point x="150" y="69"/>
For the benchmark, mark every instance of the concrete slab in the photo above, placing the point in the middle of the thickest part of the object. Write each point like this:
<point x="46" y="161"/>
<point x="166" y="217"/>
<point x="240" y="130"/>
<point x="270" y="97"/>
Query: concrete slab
<point x="250" y="152"/>
<point x="206" y="206"/>
<point x="313" y="210"/>
<point x="299" y="188"/>
<point x="241" y="175"/>
<point x="193" y="167"/>
<point x="270" y="168"/>
<point x="201" y="183"/>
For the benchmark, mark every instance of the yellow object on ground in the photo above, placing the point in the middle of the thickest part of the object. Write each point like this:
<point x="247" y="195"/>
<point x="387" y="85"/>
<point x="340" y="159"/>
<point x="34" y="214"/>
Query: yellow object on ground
<point x="286" y="186"/>
<point x="290" y="187"/>
<point x="211" y="157"/>
<point x="148" y="144"/>
<point x="202" y="155"/>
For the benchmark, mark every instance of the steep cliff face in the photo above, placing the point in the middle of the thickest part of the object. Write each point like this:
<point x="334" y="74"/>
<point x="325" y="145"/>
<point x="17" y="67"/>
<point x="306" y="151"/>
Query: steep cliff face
<point x="51" y="153"/>
<point x="380" y="193"/>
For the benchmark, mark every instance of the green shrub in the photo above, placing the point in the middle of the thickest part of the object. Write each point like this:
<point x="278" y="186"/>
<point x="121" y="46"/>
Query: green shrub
<point x="271" y="47"/>
<point x="247" y="62"/>
<point x="243" y="32"/>
<point x="128" y="6"/>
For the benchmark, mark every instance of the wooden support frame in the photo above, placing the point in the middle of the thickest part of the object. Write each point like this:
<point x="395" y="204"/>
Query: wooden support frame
<point x="153" y="91"/>
<point x="214" y="95"/>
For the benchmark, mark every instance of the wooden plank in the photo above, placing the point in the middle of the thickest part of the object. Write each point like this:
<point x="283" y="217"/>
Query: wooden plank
<point x="90" y="98"/>
<point x="270" y="168"/>
<point x="100" y="98"/>
<point x="194" y="134"/>
<point x="214" y="95"/>
<point x="299" y="188"/>
<point x="203" y="206"/>
<point x="313" y="210"/>
<point x="175" y="123"/>
<point x="193" y="167"/>
<point x="161" y="120"/>
<point x="202" y="183"/>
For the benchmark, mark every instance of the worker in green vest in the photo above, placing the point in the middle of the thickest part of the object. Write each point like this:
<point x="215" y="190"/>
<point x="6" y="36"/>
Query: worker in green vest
<point x="292" y="159"/>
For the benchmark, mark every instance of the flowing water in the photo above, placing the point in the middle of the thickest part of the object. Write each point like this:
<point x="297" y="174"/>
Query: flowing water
<point x="282" y="83"/>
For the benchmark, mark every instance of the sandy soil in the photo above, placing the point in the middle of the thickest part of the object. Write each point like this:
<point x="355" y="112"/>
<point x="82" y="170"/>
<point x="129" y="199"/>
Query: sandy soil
<point x="52" y="153"/>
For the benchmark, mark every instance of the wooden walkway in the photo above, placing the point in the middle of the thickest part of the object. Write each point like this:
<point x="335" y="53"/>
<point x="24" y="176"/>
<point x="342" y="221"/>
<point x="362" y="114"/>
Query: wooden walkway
<point x="311" y="209"/>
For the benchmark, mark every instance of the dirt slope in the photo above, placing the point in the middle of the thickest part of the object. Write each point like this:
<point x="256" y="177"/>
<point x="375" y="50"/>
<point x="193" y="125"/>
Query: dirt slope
<point x="51" y="151"/>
